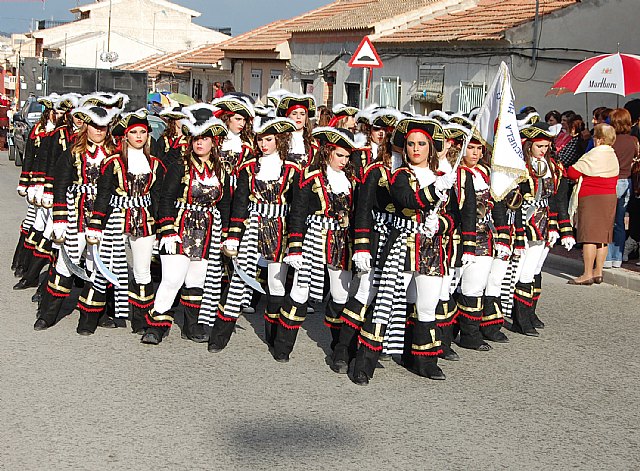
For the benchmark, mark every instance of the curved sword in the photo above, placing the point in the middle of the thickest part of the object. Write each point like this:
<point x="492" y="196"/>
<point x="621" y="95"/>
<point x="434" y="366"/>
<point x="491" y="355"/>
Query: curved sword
<point x="102" y="268"/>
<point x="73" y="268"/>
<point x="250" y="282"/>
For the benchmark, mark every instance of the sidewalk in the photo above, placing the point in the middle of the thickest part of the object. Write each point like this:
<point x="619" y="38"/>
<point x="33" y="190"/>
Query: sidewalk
<point x="571" y="263"/>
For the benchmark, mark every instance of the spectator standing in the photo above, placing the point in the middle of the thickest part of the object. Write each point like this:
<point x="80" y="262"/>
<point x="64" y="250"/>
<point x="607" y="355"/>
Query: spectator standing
<point x="597" y="176"/>
<point x="217" y="90"/>
<point x="626" y="148"/>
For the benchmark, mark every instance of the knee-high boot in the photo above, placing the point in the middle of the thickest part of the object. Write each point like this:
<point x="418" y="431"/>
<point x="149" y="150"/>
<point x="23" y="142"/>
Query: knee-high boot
<point x="446" y="316"/>
<point x="425" y="349"/>
<point x="32" y="276"/>
<point x="369" y="349"/>
<point x="222" y="329"/>
<point x="522" y="306"/>
<point x="17" y="254"/>
<point x="158" y="325"/>
<point x="333" y="320"/>
<point x="352" y="319"/>
<point x="412" y="317"/>
<point x="469" y="320"/>
<point x="537" y="291"/>
<point x="91" y="305"/>
<point x="141" y="299"/>
<point x="57" y="291"/>
<point x="292" y="316"/>
<point x="272" y="318"/>
<point x="191" y="298"/>
<point x="492" y="320"/>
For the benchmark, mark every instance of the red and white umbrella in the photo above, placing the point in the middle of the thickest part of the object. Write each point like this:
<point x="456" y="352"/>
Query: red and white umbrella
<point x="610" y="73"/>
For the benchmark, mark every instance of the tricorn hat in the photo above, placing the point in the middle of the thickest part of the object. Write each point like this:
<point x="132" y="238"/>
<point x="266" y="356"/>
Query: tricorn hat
<point x="290" y="102"/>
<point x="130" y="120"/>
<point x="428" y="126"/>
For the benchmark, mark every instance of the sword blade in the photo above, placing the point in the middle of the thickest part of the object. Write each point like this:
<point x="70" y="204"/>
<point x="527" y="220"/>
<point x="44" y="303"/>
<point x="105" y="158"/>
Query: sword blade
<point x="108" y="274"/>
<point x="73" y="268"/>
<point x="250" y="282"/>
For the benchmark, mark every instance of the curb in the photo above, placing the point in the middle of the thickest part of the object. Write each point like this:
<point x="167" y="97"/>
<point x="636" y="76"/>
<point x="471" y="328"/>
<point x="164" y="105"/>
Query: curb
<point x="616" y="277"/>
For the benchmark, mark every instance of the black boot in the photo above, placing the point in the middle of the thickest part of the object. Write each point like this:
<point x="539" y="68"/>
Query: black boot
<point x="369" y="349"/>
<point x="191" y="298"/>
<point x="271" y="318"/>
<point x="38" y="295"/>
<point x="407" y="358"/>
<point x="492" y="320"/>
<point x="92" y="305"/>
<point x="141" y="298"/>
<point x="157" y="327"/>
<point x="333" y="321"/>
<point x="469" y="320"/>
<point x="352" y="319"/>
<point x="537" y="291"/>
<point x="292" y="316"/>
<point x="31" y="278"/>
<point x="221" y="332"/>
<point x="57" y="291"/>
<point x="522" y="306"/>
<point x="446" y="315"/>
<point x="425" y="349"/>
<point x="107" y="318"/>
<point x="15" y="262"/>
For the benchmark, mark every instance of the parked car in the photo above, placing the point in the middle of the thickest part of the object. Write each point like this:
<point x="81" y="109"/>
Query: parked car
<point x="23" y="121"/>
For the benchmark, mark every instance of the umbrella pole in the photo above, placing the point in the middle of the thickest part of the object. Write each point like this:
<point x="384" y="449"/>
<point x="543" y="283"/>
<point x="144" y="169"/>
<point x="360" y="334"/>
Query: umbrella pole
<point x="586" y="101"/>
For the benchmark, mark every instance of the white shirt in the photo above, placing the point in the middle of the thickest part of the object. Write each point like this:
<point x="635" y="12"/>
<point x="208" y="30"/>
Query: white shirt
<point x="233" y="143"/>
<point x="137" y="162"/>
<point x="424" y="175"/>
<point x="338" y="181"/>
<point x="396" y="160"/>
<point x="478" y="180"/>
<point x="444" y="166"/>
<point x="297" y="143"/>
<point x="50" y="126"/>
<point x="270" y="167"/>
<point x="374" y="151"/>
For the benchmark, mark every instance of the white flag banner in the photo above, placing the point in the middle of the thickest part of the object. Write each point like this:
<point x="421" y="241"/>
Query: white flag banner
<point x="497" y="125"/>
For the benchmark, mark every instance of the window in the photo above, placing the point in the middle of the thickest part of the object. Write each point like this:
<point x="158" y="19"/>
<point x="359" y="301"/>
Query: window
<point x="307" y="86"/>
<point x="430" y="84"/>
<point x="390" y="92"/>
<point x="471" y="96"/>
<point x="275" y="80"/>
<point x="197" y="89"/>
<point x="352" y="91"/>
<point x="255" y="86"/>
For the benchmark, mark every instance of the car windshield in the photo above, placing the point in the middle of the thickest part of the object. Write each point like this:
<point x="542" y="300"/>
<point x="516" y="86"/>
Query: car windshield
<point x="35" y="107"/>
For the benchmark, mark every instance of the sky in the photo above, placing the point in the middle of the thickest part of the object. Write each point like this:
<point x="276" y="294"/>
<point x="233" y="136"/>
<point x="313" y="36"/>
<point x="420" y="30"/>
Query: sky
<point x="16" y="15"/>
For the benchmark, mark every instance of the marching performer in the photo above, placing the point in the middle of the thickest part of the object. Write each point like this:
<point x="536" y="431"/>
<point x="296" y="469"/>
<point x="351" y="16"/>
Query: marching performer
<point x="74" y="191"/>
<point x="172" y="143"/>
<point x="319" y="238"/>
<point x="545" y="217"/>
<point x="125" y="209"/>
<point x="300" y="109"/>
<point x="484" y="229"/>
<point x="237" y="114"/>
<point x="415" y="259"/>
<point x="258" y="228"/>
<point x="374" y="213"/>
<point x="193" y="216"/>
<point x="344" y="117"/>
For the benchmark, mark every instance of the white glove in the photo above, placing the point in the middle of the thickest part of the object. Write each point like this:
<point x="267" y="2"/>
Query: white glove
<point x="431" y="223"/>
<point x="93" y="233"/>
<point x="170" y="244"/>
<point x="553" y="238"/>
<point x="32" y="191"/>
<point x="446" y="181"/>
<point x="568" y="243"/>
<point x="362" y="261"/>
<point x="231" y="245"/>
<point x="503" y="252"/>
<point x="38" y="196"/>
<point x="47" y="200"/>
<point x="294" y="261"/>
<point x="59" y="229"/>
<point x="22" y="190"/>
<point x="468" y="259"/>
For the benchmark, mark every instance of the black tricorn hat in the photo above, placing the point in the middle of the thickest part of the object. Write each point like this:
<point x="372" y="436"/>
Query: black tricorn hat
<point x="129" y="120"/>
<point x="335" y="136"/>
<point x="273" y="125"/>
<point x="428" y="126"/>
<point x="233" y="105"/>
<point x="173" y="113"/>
<point x="287" y="102"/>
<point x="538" y="131"/>
<point x="211" y="127"/>
<point x="95" y="115"/>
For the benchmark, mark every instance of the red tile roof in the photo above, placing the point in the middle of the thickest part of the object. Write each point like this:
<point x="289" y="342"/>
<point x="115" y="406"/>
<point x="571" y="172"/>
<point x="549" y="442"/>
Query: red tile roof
<point x="487" y="20"/>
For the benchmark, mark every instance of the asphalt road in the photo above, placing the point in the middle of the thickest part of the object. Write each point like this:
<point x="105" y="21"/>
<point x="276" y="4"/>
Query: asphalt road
<point x="568" y="399"/>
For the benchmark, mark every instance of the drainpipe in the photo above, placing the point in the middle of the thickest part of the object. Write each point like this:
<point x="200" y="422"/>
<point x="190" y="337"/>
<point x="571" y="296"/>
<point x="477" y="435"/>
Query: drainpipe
<point x="536" y="34"/>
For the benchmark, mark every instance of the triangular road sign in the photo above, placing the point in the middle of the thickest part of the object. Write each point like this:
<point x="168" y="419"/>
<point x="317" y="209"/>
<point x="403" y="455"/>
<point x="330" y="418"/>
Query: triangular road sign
<point x="366" y="56"/>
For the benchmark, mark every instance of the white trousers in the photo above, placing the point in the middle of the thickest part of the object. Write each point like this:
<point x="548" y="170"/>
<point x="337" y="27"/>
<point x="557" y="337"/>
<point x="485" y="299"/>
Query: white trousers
<point x="366" y="291"/>
<point x="424" y="292"/>
<point x="178" y="270"/>
<point x="141" y="252"/>
<point x="276" y="278"/>
<point x="339" y="281"/>
<point x="445" y="292"/>
<point x="475" y="276"/>
<point x="498" y="271"/>
<point x="531" y="263"/>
